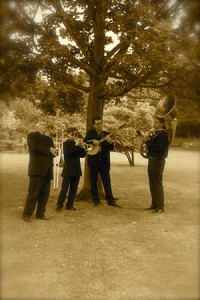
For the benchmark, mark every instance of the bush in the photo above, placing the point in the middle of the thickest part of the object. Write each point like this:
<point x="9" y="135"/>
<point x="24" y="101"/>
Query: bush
<point x="188" y="128"/>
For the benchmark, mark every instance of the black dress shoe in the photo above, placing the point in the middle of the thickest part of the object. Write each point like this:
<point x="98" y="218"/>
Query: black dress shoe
<point x="71" y="208"/>
<point x="27" y="219"/>
<point x="114" y="204"/>
<point x="45" y="218"/>
<point x="58" y="209"/>
<point x="97" y="203"/>
<point x="151" y="208"/>
<point x="158" y="210"/>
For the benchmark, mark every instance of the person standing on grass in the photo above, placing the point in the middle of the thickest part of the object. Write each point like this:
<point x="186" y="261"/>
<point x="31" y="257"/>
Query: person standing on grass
<point x="71" y="172"/>
<point x="100" y="162"/>
<point x="40" y="172"/>
<point x="157" y="150"/>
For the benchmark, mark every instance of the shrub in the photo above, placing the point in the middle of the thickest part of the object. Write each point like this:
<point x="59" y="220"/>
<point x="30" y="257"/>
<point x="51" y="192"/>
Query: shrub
<point x="188" y="128"/>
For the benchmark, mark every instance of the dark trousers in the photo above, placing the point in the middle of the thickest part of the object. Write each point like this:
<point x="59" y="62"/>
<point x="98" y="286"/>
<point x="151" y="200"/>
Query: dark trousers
<point x="38" y="193"/>
<point x="71" y="183"/>
<point x="155" y="173"/>
<point x="105" y="177"/>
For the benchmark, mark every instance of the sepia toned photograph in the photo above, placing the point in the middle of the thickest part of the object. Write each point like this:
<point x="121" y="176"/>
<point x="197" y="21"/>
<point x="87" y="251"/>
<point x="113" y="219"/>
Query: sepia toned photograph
<point x="99" y="150"/>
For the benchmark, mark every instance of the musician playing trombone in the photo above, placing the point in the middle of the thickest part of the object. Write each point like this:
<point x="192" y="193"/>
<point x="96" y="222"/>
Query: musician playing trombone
<point x="100" y="162"/>
<point x="73" y="150"/>
<point x="40" y="172"/>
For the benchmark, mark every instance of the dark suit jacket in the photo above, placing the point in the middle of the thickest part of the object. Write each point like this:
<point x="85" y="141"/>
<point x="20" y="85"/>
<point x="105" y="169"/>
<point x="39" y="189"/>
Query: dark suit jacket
<point x="104" y="155"/>
<point x="158" y="145"/>
<point x="40" y="159"/>
<point x="72" y="154"/>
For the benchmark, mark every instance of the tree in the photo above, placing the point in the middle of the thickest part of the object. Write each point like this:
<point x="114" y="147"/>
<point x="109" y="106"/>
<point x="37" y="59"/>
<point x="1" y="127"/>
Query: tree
<point x="137" y="118"/>
<point x="18" y="118"/>
<point x="119" y="45"/>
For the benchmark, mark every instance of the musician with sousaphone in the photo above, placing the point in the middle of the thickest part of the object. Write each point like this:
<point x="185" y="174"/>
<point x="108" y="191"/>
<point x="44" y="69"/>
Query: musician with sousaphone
<point x="99" y="146"/>
<point x="156" y="147"/>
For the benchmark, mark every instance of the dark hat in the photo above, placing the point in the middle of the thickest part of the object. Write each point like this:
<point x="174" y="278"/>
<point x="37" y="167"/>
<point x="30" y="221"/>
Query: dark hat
<point x="71" y="129"/>
<point x="97" y="120"/>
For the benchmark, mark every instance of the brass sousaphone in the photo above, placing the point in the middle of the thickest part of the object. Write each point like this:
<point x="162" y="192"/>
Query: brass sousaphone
<point x="166" y="109"/>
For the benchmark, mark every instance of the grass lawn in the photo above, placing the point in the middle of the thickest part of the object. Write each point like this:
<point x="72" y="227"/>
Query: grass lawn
<point x="104" y="253"/>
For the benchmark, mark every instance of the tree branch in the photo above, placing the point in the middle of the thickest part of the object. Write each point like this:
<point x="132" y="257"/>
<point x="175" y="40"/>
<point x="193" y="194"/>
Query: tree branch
<point x="117" y="52"/>
<point x="71" y="28"/>
<point x="33" y="25"/>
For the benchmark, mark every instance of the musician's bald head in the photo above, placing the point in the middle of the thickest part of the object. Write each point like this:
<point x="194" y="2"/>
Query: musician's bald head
<point x="40" y="123"/>
<point x="41" y="127"/>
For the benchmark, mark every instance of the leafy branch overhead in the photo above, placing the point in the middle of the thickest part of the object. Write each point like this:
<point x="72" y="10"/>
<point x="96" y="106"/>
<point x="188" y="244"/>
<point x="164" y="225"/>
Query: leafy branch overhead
<point x="119" y="45"/>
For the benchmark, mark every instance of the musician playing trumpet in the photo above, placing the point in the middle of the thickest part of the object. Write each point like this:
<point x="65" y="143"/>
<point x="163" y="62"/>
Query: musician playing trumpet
<point x="99" y="163"/>
<point x="73" y="150"/>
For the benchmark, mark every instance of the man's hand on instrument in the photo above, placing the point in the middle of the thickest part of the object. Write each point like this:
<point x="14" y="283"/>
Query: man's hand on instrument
<point x="54" y="151"/>
<point x="95" y="142"/>
<point x="109" y="140"/>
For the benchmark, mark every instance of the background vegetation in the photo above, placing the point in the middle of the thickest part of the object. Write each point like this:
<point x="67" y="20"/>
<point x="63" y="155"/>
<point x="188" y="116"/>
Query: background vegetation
<point x="70" y="60"/>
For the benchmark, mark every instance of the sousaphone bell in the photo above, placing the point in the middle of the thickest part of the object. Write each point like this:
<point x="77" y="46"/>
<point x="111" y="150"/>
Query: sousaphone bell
<point x="165" y="109"/>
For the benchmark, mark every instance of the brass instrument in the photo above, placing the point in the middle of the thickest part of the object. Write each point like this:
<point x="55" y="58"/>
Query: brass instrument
<point x="57" y="159"/>
<point x="143" y="146"/>
<point x="165" y="109"/>
<point x="56" y="165"/>
<point x="81" y="143"/>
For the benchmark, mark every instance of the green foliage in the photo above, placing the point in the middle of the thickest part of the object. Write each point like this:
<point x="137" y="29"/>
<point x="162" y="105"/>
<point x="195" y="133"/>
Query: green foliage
<point x="133" y="43"/>
<point x="17" y="71"/>
<point x="139" y="118"/>
<point x="18" y="118"/>
<point x="187" y="110"/>
<point x="58" y="124"/>
<point x="188" y="129"/>
<point x="66" y="99"/>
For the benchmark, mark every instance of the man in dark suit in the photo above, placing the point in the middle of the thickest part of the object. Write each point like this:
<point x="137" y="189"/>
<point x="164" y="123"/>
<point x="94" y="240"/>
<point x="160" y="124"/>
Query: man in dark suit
<point x="71" y="172"/>
<point x="158" y="146"/>
<point x="100" y="162"/>
<point x="40" y="172"/>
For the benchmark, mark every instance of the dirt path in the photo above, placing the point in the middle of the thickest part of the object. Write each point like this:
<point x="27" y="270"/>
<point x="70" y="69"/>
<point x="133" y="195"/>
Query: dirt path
<point x="104" y="253"/>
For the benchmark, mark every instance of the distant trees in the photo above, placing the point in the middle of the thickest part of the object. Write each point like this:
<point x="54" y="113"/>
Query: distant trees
<point x="17" y="119"/>
<point x="188" y="129"/>
<point x="138" y="118"/>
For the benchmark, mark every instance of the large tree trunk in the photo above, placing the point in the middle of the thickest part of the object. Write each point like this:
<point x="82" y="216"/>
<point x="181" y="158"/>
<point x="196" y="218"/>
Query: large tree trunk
<point x="97" y="80"/>
<point x="95" y="108"/>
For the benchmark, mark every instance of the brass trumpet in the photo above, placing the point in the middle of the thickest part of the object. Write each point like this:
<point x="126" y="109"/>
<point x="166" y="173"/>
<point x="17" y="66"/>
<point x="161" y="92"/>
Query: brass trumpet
<point x="84" y="145"/>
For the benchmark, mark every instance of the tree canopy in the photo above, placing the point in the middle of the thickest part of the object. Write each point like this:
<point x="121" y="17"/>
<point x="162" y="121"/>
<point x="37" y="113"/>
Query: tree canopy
<point x="118" y="45"/>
